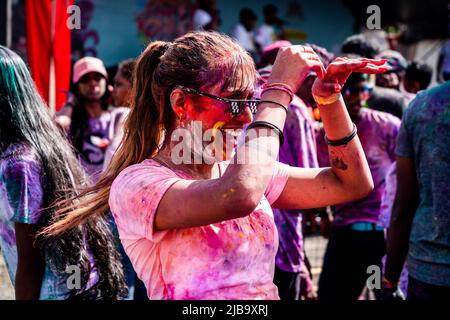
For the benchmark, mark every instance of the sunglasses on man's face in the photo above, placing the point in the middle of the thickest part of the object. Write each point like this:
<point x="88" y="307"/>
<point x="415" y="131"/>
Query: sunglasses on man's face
<point x="358" y="90"/>
<point x="237" y="106"/>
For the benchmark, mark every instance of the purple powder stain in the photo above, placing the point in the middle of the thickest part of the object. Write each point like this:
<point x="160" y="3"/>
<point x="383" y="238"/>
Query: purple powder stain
<point x="7" y="235"/>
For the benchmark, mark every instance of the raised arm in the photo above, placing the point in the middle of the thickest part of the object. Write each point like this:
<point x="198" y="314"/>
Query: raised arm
<point x="349" y="177"/>
<point x="240" y="189"/>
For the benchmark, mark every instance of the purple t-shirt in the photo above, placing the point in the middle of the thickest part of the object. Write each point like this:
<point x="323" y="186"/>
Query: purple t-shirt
<point x="94" y="145"/>
<point x="378" y="133"/>
<point x="299" y="150"/>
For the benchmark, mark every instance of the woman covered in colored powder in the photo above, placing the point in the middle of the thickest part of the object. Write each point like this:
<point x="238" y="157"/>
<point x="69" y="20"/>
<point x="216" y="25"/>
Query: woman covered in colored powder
<point x="37" y="166"/>
<point x="193" y="225"/>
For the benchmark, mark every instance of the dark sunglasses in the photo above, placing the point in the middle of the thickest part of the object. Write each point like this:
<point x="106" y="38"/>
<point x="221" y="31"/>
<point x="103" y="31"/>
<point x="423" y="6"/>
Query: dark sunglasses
<point x="356" y="90"/>
<point x="89" y="76"/>
<point x="237" y="106"/>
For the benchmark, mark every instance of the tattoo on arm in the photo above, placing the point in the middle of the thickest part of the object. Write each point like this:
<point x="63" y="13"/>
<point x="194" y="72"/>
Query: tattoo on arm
<point x="337" y="161"/>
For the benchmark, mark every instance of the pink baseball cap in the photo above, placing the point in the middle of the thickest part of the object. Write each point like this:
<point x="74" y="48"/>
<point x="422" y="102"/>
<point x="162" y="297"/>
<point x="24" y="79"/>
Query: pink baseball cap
<point x="276" y="46"/>
<point x="86" y="65"/>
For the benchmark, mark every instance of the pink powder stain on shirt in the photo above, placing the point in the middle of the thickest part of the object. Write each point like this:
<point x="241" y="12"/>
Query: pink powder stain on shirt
<point x="209" y="262"/>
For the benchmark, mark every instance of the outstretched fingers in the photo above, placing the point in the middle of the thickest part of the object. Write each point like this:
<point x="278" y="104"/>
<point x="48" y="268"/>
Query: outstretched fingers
<point x="372" y="69"/>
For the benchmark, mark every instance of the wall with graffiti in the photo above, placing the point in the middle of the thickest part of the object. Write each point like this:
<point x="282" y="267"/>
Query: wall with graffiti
<point x="116" y="30"/>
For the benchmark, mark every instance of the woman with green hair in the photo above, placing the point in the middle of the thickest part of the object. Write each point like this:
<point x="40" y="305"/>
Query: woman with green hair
<point x="38" y="166"/>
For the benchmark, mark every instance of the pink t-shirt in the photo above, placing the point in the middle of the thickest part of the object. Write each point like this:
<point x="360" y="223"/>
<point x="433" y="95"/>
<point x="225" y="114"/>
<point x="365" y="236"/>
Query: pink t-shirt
<point x="233" y="259"/>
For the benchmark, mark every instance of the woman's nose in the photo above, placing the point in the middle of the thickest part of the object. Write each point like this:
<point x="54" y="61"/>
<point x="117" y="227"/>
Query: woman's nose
<point x="245" y="116"/>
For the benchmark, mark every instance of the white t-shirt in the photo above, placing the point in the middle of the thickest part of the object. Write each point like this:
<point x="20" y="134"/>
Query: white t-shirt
<point x="243" y="37"/>
<point x="201" y="19"/>
<point x="265" y="35"/>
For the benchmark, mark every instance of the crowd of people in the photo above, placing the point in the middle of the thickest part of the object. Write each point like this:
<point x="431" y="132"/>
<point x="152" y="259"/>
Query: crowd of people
<point x="114" y="185"/>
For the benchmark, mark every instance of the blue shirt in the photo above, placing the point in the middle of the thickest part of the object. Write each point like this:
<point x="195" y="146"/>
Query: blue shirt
<point x="425" y="137"/>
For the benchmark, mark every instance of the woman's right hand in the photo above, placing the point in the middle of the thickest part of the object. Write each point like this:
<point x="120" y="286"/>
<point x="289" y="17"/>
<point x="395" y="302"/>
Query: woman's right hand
<point x="293" y="64"/>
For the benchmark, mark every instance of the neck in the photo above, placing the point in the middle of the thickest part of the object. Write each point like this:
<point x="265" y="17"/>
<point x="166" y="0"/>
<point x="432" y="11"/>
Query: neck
<point x="196" y="171"/>
<point x="94" y="108"/>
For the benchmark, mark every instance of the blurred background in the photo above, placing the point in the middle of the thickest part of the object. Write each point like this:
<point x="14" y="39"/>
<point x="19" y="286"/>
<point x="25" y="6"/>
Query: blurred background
<point x="117" y="30"/>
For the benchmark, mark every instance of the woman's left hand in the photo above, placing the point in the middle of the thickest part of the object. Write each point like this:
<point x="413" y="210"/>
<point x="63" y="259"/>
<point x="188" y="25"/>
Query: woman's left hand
<point x="340" y="69"/>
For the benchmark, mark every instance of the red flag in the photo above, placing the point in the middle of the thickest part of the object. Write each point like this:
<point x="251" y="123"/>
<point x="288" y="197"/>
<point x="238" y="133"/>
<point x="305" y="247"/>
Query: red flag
<point x="48" y="48"/>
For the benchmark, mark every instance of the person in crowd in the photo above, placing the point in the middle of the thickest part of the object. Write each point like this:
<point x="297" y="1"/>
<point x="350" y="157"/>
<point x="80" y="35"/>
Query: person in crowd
<point x="272" y="28"/>
<point x="200" y="227"/>
<point x="355" y="241"/>
<point x="305" y="91"/>
<point x="382" y="99"/>
<point x="394" y="77"/>
<point x="206" y="16"/>
<point x="359" y="44"/>
<point x="37" y="167"/>
<point x="417" y="77"/>
<point x="87" y="116"/>
<point x="122" y="95"/>
<point x="122" y="84"/>
<point x="299" y="150"/>
<point x="420" y="225"/>
<point x="387" y="203"/>
<point x="243" y="32"/>
<point x="443" y="67"/>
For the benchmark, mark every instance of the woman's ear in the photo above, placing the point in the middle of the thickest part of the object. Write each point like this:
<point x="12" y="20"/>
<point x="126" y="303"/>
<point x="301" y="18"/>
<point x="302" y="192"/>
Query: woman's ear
<point x="178" y="102"/>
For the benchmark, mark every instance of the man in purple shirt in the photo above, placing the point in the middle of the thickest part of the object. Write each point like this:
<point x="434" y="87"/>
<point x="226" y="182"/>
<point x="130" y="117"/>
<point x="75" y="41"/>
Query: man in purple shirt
<point x="355" y="241"/>
<point x="300" y="151"/>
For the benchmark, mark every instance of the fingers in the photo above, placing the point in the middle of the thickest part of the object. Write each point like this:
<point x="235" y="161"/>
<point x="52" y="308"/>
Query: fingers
<point x="317" y="65"/>
<point x="372" y="69"/>
<point x="377" y="62"/>
<point x="319" y="70"/>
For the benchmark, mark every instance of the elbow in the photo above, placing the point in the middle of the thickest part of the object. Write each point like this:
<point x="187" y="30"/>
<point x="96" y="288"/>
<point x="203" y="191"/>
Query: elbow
<point x="364" y="188"/>
<point x="243" y="202"/>
<point x="360" y="189"/>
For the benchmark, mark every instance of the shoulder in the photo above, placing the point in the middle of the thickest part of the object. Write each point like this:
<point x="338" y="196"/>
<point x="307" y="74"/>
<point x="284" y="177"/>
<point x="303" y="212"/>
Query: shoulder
<point x="387" y="93"/>
<point x="148" y="176"/>
<point x="145" y="172"/>
<point x="19" y="158"/>
<point x="382" y="118"/>
<point x="428" y="103"/>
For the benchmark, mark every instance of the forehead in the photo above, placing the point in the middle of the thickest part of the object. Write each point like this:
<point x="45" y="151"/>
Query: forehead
<point x="237" y="91"/>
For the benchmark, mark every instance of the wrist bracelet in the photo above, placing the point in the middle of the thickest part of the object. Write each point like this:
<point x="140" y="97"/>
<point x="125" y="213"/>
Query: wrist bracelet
<point x="276" y="103"/>
<point x="344" y="140"/>
<point x="269" y="125"/>
<point x="323" y="101"/>
<point x="278" y="86"/>
<point x="290" y="93"/>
